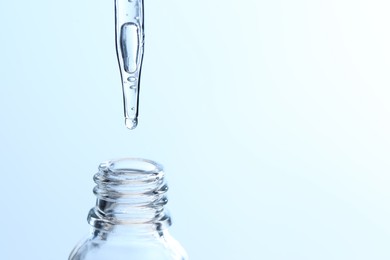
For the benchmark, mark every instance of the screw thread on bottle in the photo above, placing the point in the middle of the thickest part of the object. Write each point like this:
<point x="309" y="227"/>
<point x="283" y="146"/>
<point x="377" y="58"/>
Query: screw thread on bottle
<point x="130" y="192"/>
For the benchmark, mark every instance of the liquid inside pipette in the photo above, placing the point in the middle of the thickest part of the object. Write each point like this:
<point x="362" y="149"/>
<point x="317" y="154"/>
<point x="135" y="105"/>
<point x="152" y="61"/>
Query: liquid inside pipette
<point x="129" y="34"/>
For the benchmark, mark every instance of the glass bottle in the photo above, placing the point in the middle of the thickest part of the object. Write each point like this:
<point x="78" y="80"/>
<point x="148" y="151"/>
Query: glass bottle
<point x="129" y="221"/>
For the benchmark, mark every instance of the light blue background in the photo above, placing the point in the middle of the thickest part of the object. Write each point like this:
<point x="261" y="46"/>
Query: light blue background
<point x="270" y="117"/>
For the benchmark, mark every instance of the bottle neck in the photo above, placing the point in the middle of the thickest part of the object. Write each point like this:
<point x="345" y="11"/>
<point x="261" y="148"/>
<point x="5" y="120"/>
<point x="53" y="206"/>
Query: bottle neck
<point x="131" y="195"/>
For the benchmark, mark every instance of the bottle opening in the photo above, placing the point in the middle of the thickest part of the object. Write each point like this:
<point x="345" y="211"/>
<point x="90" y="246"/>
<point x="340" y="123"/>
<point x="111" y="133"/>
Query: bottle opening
<point x="128" y="169"/>
<point x="131" y="165"/>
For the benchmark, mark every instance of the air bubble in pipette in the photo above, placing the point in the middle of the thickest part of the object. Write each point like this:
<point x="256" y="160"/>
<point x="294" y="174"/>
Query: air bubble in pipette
<point x="129" y="45"/>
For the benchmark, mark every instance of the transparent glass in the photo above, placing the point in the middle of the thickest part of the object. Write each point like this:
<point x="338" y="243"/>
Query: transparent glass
<point x="129" y="221"/>
<point x="129" y="37"/>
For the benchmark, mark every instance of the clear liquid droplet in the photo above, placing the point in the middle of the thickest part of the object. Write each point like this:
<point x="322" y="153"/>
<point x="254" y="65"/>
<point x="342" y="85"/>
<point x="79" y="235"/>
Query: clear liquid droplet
<point x="131" y="123"/>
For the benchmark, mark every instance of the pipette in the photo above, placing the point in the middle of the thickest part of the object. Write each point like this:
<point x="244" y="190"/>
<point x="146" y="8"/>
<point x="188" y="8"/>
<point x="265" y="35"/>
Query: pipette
<point x="129" y="37"/>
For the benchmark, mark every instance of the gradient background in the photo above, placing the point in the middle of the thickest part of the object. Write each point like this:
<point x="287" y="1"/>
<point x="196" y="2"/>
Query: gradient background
<point x="270" y="117"/>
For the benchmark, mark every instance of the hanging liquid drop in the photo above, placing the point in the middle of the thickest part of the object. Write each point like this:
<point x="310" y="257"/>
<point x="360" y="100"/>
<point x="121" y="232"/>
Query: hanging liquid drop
<point x="131" y="123"/>
<point x="129" y="37"/>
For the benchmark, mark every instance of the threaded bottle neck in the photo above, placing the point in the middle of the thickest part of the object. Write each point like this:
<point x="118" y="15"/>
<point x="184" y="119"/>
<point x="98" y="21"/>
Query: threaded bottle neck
<point x="130" y="192"/>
